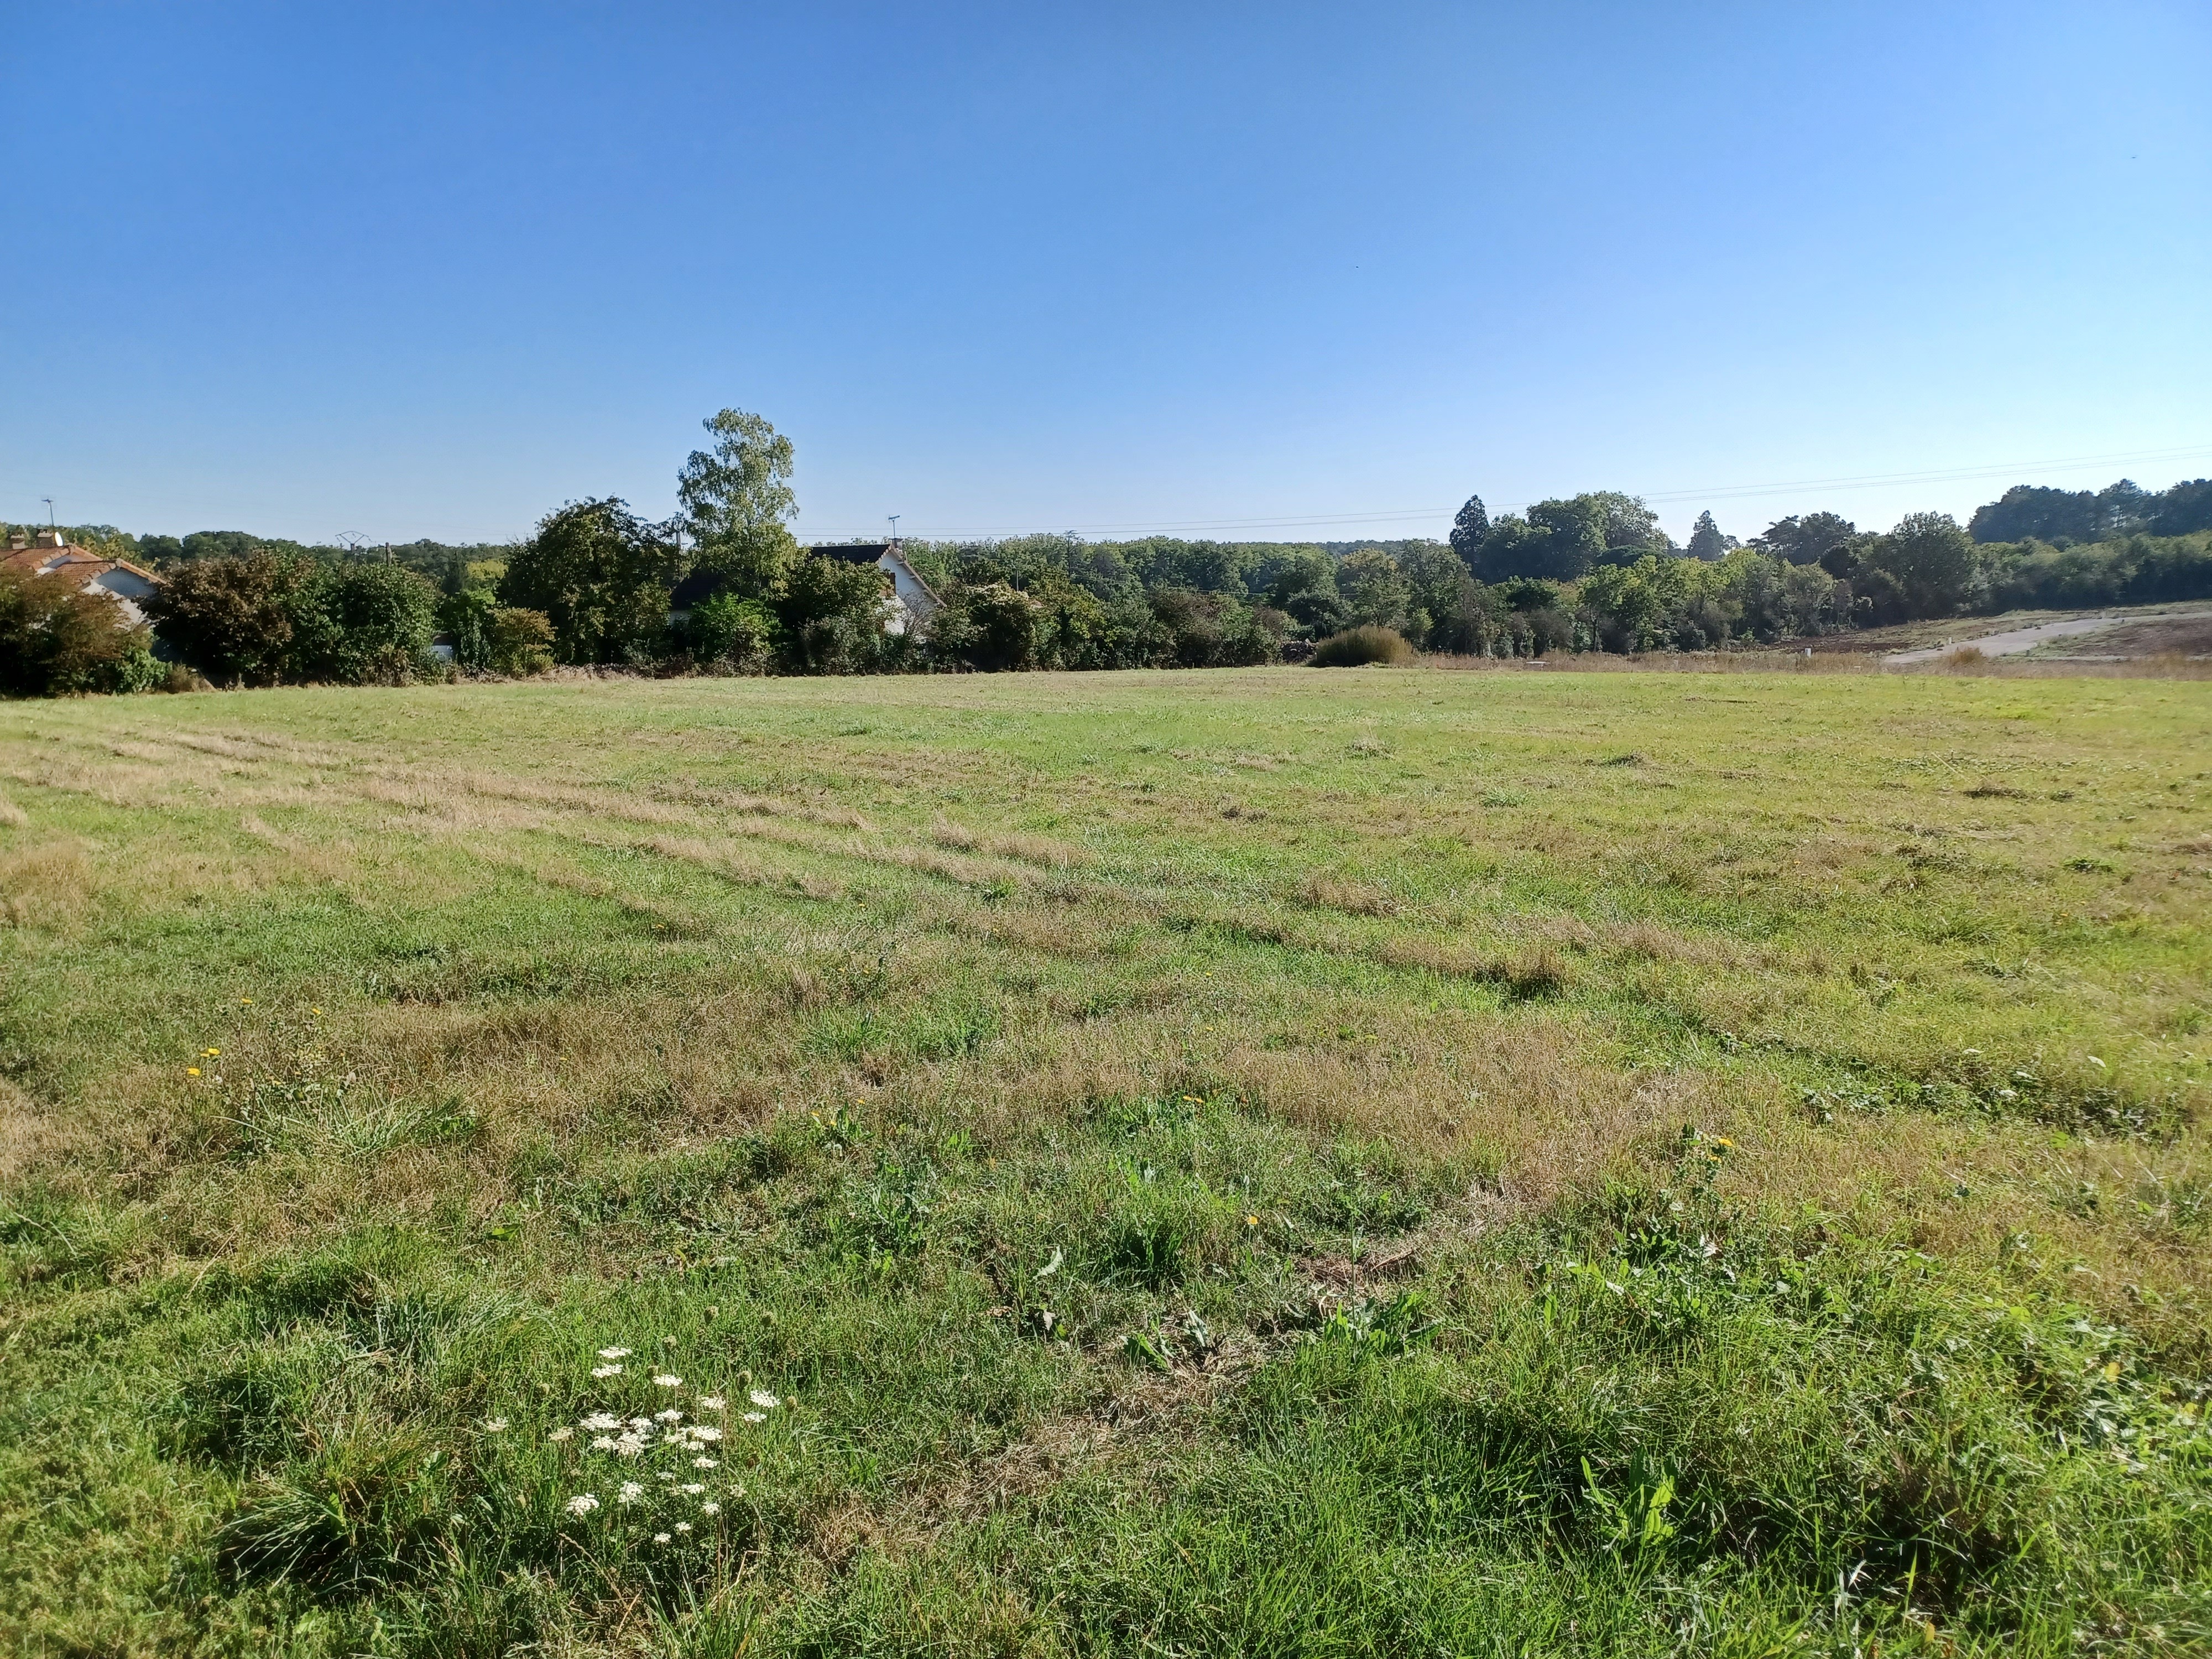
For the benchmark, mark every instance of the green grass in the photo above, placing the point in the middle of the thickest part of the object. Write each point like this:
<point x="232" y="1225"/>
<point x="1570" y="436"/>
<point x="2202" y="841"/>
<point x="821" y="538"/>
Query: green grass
<point x="1385" y="1162"/>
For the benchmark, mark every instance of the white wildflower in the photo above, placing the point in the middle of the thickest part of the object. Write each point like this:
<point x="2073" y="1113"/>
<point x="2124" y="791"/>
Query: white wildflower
<point x="710" y="1507"/>
<point x="691" y="1489"/>
<point x="710" y="1402"/>
<point x="683" y="1526"/>
<point x="641" y="1423"/>
<point x="603" y="1443"/>
<point x="704" y="1463"/>
<point x="672" y="1415"/>
<point x="607" y="1370"/>
<point x="600" y="1422"/>
<point x="582" y="1503"/>
<point x="660" y="1538"/>
<point x="668" y="1380"/>
<point x="494" y="1425"/>
<point x="765" y="1400"/>
<point x="755" y="1417"/>
<point x="614" y="1353"/>
<point x="630" y="1492"/>
<point x="703" y="1432"/>
<point x="564" y="1433"/>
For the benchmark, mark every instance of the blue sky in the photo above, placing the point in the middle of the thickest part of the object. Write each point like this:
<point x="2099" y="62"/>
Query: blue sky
<point x="1245" y="271"/>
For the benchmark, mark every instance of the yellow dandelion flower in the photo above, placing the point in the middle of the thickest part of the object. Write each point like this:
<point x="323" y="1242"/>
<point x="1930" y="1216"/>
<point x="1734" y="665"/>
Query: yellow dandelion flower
<point x="192" y="1071"/>
<point x="210" y="1053"/>
<point x="248" y="1001"/>
<point x="1251" y="1220"/>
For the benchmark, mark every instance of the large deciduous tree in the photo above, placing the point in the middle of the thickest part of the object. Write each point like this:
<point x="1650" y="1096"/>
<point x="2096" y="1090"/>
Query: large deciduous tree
<point x="737" y="503"/>
<point x="1807" y="540"/>
<point x="1373" y="588"/>
<point x="598" y="572"/>
<point x="1931" y="559"/>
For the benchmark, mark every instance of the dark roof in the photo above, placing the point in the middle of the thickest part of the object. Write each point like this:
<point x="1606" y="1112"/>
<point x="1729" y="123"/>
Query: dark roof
<point x="699" y="585"/>
<point x="705" y="584"/>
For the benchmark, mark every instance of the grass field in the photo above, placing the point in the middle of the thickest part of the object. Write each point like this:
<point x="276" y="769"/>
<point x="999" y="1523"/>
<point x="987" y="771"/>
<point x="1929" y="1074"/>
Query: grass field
<point x="1390" y="1162"/>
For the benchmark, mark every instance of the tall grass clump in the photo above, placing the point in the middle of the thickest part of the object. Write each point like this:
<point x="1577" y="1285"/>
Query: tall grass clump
<point x="1358" y="648"/>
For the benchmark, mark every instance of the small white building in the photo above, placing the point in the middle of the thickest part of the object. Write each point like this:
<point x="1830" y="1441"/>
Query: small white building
<point x="48" y="554"/>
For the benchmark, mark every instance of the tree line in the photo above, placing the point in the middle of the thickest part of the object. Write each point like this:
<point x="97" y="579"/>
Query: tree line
<point x="596" y="584"/>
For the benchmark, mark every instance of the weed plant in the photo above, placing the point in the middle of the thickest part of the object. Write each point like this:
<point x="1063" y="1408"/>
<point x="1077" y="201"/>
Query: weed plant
<point x="1358" y="648"/>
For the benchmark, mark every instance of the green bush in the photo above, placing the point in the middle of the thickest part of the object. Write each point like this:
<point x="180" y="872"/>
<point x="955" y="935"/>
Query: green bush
<point x="519" y="641"/>
<point x="832" y="615"/>
<point x="364" y="624"/>
<point x="56" y="640"/>
<point x="234" y="618"/>
<point x="268" y="618"/>
<point x="465" y="619"/>
<point x="724" y="628"/>
<point x="1358" y="648"/>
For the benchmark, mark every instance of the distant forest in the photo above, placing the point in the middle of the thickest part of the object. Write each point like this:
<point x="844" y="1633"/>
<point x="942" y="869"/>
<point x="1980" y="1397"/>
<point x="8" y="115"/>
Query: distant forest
<point x="595" y="585"/>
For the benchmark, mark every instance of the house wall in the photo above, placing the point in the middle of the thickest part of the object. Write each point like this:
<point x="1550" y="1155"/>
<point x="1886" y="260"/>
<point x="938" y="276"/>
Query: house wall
<point x="125" y="589"/>
<point x="917" y="599"/>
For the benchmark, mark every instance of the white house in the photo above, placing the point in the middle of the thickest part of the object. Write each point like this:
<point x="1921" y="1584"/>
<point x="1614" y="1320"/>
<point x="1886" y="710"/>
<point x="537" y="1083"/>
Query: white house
<point x="910" y="600"/>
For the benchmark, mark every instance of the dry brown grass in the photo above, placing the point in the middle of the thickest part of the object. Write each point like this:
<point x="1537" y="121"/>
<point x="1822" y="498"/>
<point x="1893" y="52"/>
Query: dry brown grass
<point x="46" y="886"/>
<point x="1029" y="849"/>
<point x="1322" y="890"/>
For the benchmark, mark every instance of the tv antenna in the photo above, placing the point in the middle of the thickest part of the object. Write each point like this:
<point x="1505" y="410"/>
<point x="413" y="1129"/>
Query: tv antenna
<point x="49" y="500"/>
<point x="353" y="540"/>
<point x="895" y="518"/>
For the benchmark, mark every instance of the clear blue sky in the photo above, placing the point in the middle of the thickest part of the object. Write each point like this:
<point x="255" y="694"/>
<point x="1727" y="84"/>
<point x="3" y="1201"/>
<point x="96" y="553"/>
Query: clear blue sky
<point x="432" y="269"/>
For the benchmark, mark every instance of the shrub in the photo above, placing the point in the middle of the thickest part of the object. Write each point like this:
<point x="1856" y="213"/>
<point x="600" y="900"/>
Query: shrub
<point x="233" y="619"/>
<point x="56" y="640"/>
<point x="464" y="618"/>
<point x="360" y="625"/>
<point x="996" y="628"/>
<point x="1357" y="648"/>
<point x="832" y="614"/>
<point x="267" y="618"/>
<point x="519" y="641"/>
<point x="724" y="628"/>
